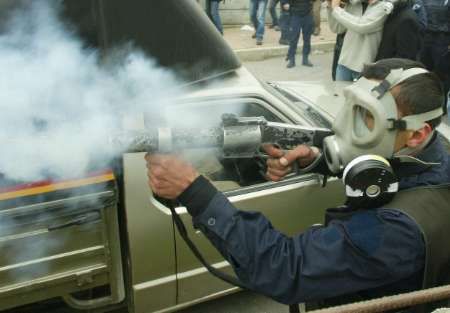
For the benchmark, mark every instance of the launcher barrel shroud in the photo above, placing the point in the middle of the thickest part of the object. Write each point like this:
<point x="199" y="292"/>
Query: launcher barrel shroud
<point x="236" y="137"/>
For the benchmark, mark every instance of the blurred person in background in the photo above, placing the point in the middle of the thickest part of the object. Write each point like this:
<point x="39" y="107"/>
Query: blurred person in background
<point x="446" y="69"/>
<point x="316" y="15"/>
<point x="448" y="106"/>
<point x="284" y="21"/>
<point x="402" y="33"/>
<point x="337" y="53"/>
<point x="301" y="21"/>
<point x="274" y="15"/>
<point x="435" y="53"/>
<point x="419" y="8"/>
<point x="213" y="13"/>
<point x="258" y="18"/>
<point x="363" y="22"/>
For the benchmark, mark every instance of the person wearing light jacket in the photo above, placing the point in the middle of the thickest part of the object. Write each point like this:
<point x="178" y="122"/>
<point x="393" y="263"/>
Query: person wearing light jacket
<point x="363" y="23"/>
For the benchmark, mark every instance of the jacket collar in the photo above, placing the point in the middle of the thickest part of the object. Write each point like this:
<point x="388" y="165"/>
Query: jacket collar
<point x="416" y="174"/>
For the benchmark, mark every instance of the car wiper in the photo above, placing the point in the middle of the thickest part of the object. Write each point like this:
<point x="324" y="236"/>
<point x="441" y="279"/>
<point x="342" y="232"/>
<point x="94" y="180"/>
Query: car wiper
<point x="309" y="110"/>
<point x="283" y="92"/>
<point x="317" y="117"/>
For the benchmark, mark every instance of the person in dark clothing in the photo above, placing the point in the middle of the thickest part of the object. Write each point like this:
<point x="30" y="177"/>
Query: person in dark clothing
<point x="336" y="54"/>
<point x="284" y="22"/>
<point x="367" y="253"/>
<point x="437" y="39"/>
<point x="419" y="9"/>
<point x="258" y="18"/>
<point x="301" y="21"/>
<point x="402" y="35"/>
<point x="273" y="14"/>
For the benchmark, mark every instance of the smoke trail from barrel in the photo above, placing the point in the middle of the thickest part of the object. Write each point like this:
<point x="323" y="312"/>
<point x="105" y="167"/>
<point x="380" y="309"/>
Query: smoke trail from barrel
<point x="58" y="103"/>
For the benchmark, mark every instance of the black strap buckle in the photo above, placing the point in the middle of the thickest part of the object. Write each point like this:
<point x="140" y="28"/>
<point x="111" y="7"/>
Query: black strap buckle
<point x="382" y="88"/>
<point x="397" y="124"/>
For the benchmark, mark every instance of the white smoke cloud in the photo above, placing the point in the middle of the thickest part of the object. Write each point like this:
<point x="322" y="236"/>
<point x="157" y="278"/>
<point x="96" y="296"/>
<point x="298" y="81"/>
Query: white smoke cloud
<point x="57" y="104"/>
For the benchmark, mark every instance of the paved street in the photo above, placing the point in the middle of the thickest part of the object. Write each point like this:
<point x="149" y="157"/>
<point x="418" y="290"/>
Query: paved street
<point x="241" y="39"/>
<point x="275" y="68"/>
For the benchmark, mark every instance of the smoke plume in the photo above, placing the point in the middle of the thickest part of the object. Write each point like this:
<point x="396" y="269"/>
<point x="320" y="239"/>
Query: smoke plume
<point x="58" y="105"/>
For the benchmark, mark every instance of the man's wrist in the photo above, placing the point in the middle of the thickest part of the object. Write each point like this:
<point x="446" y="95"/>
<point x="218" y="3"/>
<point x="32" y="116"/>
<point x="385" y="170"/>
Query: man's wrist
<point x="197" y="196"/>
<point x="191" y="178"/>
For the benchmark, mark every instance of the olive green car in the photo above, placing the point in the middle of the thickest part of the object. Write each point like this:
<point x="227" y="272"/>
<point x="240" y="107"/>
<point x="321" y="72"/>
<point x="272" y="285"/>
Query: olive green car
<point x="114" y="246"/>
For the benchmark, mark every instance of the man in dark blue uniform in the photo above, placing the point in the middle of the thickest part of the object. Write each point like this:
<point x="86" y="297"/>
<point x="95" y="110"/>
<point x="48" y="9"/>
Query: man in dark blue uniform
<point x="359" y="253"/>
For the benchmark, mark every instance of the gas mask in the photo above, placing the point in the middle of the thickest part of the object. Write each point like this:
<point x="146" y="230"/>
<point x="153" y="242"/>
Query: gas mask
<point x="365" y="133"/>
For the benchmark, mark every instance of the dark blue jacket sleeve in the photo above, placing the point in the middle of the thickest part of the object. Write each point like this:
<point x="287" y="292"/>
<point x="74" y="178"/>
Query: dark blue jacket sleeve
<point x="371" y="249"/>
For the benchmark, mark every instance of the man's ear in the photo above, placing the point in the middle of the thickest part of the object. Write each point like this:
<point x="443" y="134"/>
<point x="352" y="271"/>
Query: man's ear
<point x="419" y="136"/>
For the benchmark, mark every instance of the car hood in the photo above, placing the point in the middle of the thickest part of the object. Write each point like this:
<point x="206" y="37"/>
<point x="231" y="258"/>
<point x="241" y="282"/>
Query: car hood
<point x="326" y="97"/>
<point x="178" y="34"/>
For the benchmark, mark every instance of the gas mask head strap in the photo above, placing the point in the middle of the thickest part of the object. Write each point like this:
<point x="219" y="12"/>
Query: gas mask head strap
<point x="416" y="121"/>
<point x="396" y="77"/>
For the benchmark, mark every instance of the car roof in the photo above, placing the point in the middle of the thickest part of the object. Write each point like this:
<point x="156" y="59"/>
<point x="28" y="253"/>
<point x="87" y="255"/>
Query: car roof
<point x="327" y="96"/>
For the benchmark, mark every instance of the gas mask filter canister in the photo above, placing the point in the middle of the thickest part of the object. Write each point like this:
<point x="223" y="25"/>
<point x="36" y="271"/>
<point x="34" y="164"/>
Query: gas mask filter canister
<point x="369" y="181"/>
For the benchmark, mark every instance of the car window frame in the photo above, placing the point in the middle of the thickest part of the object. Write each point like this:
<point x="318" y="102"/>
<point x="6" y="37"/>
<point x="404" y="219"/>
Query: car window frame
<point x="271" y="187"/>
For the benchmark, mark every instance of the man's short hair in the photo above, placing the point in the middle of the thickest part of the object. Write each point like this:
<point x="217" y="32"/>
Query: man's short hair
<point x="418" y="94"/>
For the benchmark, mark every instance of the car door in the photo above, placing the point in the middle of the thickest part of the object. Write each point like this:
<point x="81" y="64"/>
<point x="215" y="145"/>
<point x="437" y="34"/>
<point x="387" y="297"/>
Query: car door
<point x="292" y="204"/>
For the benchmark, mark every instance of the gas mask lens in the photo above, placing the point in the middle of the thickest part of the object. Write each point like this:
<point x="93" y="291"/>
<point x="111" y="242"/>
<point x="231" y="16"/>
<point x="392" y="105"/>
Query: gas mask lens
<point x="362" y="121"/>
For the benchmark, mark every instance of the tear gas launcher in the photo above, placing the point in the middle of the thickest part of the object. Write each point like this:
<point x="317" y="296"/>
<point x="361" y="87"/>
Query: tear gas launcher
<point x="236" y="137"/>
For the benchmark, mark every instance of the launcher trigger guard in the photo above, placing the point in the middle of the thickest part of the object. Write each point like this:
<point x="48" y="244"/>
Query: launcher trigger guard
<point x="261" y="161"/>
<point x="262" y="156"/>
